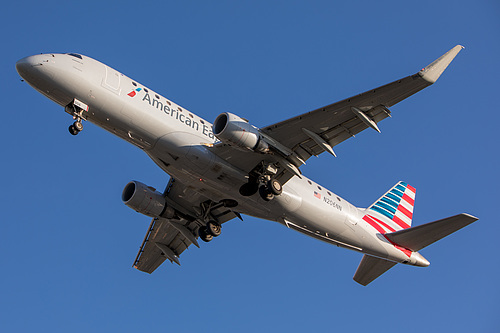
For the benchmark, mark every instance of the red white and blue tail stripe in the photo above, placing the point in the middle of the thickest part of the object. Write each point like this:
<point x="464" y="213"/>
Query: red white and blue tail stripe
<point x="395" y="208"/>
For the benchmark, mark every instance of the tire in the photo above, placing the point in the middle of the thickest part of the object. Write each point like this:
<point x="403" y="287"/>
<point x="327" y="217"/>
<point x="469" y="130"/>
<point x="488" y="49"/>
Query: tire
<point x="265" y="193"/>
<point x="78" y="126"/>
<point x="275" y="187"/>
<point x="204" y="236"/>
<point x="214" y="228"/>
<point x="73" y="130"/>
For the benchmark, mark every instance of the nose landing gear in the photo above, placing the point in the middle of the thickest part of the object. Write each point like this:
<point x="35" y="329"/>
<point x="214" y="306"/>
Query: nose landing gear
<point x="77" y="109"/>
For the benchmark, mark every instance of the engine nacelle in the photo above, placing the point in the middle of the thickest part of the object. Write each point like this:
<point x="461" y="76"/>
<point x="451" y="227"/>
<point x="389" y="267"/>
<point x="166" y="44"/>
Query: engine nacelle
<point x="237" y="132"/>
<point x="146" y="200"/>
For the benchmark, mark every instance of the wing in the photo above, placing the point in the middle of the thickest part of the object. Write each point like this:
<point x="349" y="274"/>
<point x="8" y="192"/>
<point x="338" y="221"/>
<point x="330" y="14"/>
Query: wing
<point x="167" y="238"/>
<point x="312" y="133"/>
<point x="337" y="122"/>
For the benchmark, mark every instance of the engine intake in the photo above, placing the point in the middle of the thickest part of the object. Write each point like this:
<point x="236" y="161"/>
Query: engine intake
<point x="146" y="200"/>
<point x="236" y="131"/>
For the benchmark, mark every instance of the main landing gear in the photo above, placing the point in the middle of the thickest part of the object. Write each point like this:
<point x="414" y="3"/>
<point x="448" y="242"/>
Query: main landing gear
<point x="263" y="179"/>
<point x="268" y="190"/>
<point x="211" y="228"/>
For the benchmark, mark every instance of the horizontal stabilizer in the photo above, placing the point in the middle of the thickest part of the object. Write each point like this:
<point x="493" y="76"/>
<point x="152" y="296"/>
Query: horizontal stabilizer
<point x="371" y="268"/>
<point x="416" y="238"/>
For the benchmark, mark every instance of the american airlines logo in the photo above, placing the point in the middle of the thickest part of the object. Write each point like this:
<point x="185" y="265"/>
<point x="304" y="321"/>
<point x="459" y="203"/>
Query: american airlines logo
<point x="134" y="92"/>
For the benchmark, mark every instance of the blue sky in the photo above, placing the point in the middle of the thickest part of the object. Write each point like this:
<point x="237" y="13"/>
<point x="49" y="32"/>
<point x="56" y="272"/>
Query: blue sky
<point x="68" y="243"/>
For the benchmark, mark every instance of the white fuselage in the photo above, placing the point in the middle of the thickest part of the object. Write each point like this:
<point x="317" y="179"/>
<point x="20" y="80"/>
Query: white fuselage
<point x="176" y="140"/>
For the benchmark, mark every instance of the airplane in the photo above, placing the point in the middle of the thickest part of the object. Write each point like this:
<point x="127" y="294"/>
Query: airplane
<point x="231" y="168"/>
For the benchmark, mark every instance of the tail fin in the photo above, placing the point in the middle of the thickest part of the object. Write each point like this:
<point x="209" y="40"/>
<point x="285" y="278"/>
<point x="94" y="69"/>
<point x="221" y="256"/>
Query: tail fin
<point x="395" y="207"/>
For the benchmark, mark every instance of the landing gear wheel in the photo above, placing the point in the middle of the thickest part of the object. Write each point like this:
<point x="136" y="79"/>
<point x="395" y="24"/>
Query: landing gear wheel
<point x="275" y="187"/>
<point x="73" y="130"/>
<point x="214" y="228"/>
<point x="265" y="193"/>
<point x="202" y="232"/>
<point x="78" y="126"/>
<point x="249" y="189"/>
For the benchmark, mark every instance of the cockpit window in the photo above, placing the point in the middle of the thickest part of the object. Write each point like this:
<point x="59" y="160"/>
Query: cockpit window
<point x="75" y="55"/>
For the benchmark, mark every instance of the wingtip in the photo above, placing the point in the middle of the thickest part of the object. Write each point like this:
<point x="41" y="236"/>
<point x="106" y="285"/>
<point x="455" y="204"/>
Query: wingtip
<point x="434" y="70"/>
<point x="471" y="216"/>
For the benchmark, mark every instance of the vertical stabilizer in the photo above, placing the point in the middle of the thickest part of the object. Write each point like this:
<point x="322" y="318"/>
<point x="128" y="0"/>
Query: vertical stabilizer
<point x="394" y="210"/>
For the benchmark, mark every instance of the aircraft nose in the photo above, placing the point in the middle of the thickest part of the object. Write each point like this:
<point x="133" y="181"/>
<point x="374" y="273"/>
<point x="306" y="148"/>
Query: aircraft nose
<point x="29" y="67"/>
<point x="23" y="66"/>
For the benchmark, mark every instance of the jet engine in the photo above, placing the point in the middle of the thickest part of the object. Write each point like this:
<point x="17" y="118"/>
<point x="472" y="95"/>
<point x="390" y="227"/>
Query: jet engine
<point x="237" y="132"/>
<point x="146" y="200"/>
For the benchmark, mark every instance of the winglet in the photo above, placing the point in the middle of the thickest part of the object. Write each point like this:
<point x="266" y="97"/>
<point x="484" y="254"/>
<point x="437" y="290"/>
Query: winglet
<point x="433" y="71"/>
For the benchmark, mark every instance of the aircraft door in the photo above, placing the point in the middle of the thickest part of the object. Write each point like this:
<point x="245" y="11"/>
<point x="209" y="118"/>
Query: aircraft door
<point x="351" y="214"/>
<point x="112" y="80"/>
